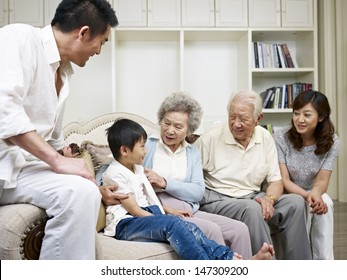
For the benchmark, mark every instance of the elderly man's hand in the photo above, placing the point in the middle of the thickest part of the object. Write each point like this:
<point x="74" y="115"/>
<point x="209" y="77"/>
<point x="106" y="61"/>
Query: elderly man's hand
<point x="267" y="207"/>
<point x="109" y="197"/>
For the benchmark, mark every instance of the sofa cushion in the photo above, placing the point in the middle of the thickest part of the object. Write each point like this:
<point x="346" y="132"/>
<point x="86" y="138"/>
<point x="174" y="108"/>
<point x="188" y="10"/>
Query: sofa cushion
<point x="113" y="249"/>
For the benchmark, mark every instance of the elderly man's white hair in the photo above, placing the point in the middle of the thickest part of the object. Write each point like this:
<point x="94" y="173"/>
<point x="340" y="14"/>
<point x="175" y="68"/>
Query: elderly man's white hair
<point x="248" y="97"/>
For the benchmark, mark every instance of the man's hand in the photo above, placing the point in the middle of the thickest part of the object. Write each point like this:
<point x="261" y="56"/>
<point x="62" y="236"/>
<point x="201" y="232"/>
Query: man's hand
<point x="35" y="145"/>
<point x="109" y="197"/>
<point x="267" y="207"/>
<point x="75" y="166"/>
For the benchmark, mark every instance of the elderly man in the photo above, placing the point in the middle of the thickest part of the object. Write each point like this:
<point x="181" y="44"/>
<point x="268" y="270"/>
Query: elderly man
<point x="238" y="158"/>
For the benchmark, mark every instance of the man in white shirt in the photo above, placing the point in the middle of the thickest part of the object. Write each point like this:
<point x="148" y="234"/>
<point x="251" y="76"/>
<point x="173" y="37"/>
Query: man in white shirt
<point x="34" y="84"/>
<point x="236" y="159"/>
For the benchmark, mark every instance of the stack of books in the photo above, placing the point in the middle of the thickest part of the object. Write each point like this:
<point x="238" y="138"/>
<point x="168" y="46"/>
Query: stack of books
<point x="276" y="55"/>
<point x="281" y="97"/>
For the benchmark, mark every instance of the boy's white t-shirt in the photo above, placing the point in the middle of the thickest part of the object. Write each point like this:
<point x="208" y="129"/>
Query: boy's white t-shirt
<point x="128" y="182"/>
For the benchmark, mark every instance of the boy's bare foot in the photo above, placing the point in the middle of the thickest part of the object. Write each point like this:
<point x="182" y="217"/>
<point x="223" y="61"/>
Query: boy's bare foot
<point x="266" y="252"/>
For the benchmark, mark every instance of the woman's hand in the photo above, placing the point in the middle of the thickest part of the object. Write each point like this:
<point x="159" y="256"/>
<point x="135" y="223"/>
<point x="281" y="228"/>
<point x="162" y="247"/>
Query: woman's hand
<point x="316" y="203"/>
<point x="176" y="212"/>
<point x="155" y="180"/>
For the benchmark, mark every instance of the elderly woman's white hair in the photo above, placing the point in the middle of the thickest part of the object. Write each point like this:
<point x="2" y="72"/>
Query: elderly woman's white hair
<point x="181" y="102"/>
<point x="248" y="97"/>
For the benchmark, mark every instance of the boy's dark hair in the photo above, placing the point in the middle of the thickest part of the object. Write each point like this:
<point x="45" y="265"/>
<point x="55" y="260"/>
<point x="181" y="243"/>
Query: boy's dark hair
<point x="72" y="14"/>
<point x="124" y="132"/>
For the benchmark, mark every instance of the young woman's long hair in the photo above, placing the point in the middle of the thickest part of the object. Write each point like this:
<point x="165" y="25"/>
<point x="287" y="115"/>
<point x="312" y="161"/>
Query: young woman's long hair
<point x="324" y="132"/>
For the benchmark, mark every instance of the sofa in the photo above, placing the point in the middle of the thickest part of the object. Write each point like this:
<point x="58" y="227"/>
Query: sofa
<point x="22" y="225"/>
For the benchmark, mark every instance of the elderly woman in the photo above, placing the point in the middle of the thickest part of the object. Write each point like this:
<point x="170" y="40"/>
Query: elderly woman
<point x="173" y="166"/>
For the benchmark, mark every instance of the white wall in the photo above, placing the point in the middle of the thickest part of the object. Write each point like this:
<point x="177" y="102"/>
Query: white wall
<point x="91" y="88"/>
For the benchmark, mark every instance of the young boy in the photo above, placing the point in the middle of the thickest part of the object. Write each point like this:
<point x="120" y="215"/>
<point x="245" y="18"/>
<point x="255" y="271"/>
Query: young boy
<point x="141" y="216"/>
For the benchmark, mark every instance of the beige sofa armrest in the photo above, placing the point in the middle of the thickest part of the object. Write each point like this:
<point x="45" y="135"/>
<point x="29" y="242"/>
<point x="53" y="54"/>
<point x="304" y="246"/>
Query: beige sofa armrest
<point x="21" y="231"/>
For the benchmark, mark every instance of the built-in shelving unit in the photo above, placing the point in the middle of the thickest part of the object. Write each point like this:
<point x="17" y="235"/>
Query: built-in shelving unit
<point x="205" y="58"/>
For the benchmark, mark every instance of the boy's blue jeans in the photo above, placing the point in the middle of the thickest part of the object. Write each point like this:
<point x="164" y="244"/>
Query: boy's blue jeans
<point x="185" y="238"/>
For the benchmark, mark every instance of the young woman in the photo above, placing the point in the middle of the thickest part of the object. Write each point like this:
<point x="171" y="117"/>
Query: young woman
<point x="307" y="152"/>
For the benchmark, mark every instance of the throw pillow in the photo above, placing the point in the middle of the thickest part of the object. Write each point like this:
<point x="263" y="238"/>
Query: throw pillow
<point x="99" y="153"/>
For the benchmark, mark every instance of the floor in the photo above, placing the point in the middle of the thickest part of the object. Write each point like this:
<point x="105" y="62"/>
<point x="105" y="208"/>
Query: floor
<point x="340" y="227"/>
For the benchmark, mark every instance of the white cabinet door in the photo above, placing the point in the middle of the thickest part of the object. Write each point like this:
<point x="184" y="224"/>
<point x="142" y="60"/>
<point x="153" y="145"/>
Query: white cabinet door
<point x="276" y="13"/>
<point x="263" y="13"/>
<point x="50" y="7"/>
<point x="26" y="11"/>
<point x="3" y="12"/>
<point x="131" y="12"/>
<point x="198" y="13"/>
<point x="164" y="13"/>
<point x="232" y="13"/>
<point x="297" y="13"/>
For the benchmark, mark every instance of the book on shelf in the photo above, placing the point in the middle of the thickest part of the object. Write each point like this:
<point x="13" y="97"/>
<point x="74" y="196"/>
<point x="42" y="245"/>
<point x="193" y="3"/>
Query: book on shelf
<point x="270" y="63"/>
<point x="277" y="98"/>
<point x="267" y="95"/>
<point x="260" y="54"/>
<point x="263" y="96"/>
<point x="293" y="55"/>
<point x="271" y="101"/>
<point x="275" y="56"/>
<point x="284" y="96"/>
<point x="256" y="57"/>
<point x="283" y="62"/>
<point x="287" y="55"/>
<point x="290" y="95"/>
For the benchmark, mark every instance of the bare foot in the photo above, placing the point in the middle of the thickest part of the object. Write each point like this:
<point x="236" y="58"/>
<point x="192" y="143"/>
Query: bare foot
<point x="266" y="252"/>
<point x="237" y="257"/>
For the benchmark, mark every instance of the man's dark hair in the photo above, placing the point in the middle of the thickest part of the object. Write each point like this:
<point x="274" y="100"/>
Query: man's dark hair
<point x="73" y="14"/>
<point x="124" y="132"/>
